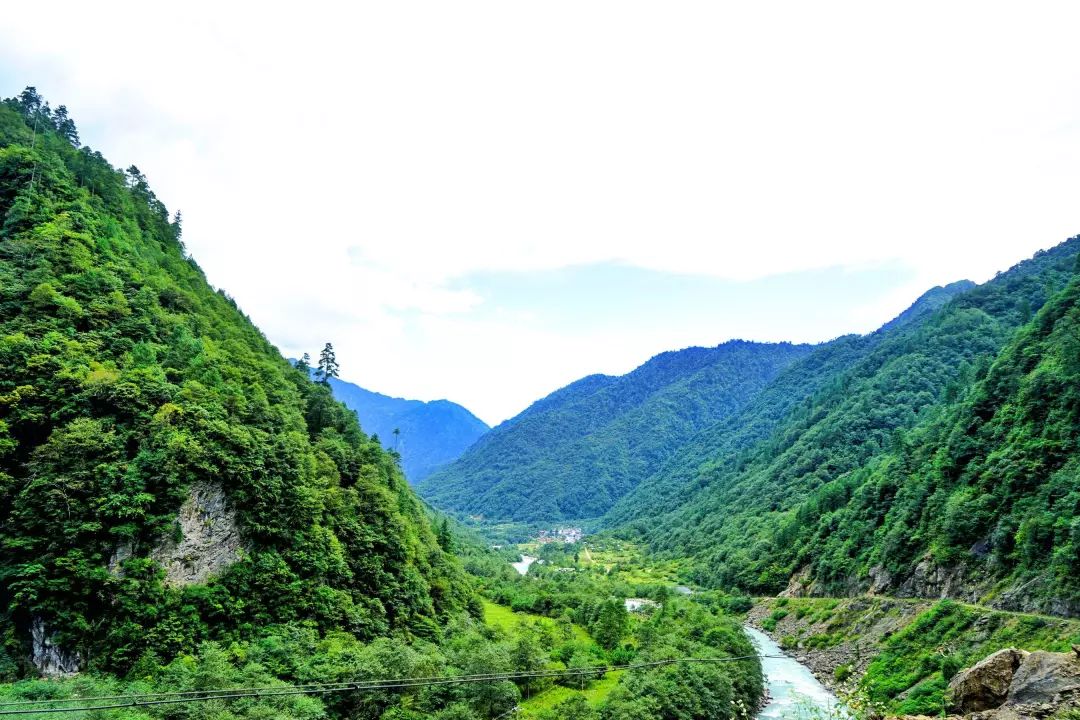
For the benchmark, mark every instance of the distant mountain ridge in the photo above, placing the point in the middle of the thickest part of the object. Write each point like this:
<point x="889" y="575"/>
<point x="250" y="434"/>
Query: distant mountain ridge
<point x="726" y="440"/>
<point x="579" y="467"/>
<point x="935" y="457"/>
<point x="432" y="434"/>
<point x="574" y="453"/>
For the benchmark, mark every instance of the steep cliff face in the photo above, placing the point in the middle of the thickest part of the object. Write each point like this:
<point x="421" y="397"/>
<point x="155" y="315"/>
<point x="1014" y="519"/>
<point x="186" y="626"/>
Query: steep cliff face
<point x="206" y="539"/>
<point x="48" y="658"/>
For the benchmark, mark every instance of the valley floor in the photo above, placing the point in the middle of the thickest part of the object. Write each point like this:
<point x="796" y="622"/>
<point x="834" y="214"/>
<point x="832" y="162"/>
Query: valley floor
<point x="533" y="704"/>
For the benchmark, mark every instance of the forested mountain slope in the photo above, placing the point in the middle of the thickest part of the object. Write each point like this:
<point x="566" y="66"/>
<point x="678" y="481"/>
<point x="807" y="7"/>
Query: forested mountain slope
<point x="165" y="475"/>
<point x="574" y="453"/>
<point x="942" y="461"/>
<point x="430" y="434"/>
<point x="666" y="489"/>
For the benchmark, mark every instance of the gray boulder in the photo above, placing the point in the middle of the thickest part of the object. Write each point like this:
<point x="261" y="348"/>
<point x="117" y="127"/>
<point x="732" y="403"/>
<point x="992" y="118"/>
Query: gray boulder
<point x="1045" y="678"/>
<point x="984" y="686"/>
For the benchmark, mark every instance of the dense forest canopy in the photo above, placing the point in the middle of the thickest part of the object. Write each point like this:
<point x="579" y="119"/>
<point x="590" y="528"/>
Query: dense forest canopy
<point x="941" y="447"/>
<point x="575" y="453"/>
<point x="129" y="384"/>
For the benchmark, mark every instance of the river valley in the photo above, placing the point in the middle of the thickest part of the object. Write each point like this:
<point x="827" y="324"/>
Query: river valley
<point x="793" y="690"/>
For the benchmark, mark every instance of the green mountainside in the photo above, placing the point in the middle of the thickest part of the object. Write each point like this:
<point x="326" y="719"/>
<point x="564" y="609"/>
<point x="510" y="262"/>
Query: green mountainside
<point x="183" y="512"/>
<point x="575" y="453"/>
<point x="775" y="404"/>
<point x="935" y="457"/>
<point x="166" y="477"/>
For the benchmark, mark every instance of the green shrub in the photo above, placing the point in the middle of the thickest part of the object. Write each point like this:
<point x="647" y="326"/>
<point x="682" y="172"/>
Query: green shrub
<point x="842" y="672"/>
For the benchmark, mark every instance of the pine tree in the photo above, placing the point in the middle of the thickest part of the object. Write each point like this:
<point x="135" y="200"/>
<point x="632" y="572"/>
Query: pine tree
<point x="136" y="179"/>
<point x="304" y="364"/>
<point x="177" y="225"/>
<point x="29" y="101"/>
<point x="328" y="366"/>
<point x="444" y="536"/>
<point x="65" y="125"/>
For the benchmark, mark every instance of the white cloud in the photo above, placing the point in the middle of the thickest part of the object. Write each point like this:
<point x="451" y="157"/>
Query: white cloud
<point x="339" y="164"/>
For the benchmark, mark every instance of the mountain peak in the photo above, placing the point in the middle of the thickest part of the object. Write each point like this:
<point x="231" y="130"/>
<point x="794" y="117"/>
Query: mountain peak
<point x="430" y="433"/>
<point x="930" y="301"/>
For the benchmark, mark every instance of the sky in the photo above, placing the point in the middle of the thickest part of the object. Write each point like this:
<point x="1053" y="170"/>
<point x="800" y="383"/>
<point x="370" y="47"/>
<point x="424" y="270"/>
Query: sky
<point x="484" y="201"/>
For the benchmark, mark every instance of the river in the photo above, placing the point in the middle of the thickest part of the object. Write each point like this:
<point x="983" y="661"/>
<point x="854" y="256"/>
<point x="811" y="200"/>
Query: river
<point x="794" y="692"/>
<point x="522" y="566"/>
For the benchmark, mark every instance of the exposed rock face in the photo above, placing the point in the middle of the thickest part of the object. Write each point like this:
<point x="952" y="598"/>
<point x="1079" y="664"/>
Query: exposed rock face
<point x="1045" y="677"/>
<point x="1040" y="684"/>
<point x="930" y="580"/>
<point x="986" y="685"/>
<point x="971" y="582"/>
<point x="1036" y="595"/>
<point x="50" y="659"/>
<point x="209" y="539"/>
<point x="120" y="555"/>
<point x="880" y="580"/>
<point x="800" y="584"/>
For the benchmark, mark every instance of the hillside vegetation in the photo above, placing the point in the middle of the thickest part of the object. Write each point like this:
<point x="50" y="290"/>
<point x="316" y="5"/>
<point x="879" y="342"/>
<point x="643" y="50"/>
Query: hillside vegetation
<point x="575" y="453"/>
<point x="183" y="511"/>
<point x="130" y="386"/>
<point x="934" y="457"/>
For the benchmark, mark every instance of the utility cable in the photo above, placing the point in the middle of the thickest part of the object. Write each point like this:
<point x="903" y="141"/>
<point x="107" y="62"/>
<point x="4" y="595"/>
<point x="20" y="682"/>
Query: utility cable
<point x="116" y="702"/>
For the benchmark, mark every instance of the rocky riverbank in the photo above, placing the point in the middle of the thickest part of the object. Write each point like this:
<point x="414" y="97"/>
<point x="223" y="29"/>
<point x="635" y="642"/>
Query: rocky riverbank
<point x="898" y="655"/>
<point x="836" y="639"/>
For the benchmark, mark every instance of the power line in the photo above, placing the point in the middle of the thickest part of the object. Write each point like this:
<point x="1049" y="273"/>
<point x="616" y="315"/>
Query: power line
<point x="117" y="702"/>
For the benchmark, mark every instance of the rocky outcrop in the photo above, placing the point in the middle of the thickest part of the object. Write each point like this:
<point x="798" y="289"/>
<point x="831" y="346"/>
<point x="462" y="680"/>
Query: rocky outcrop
<point x="986" y="685"/>
<point x="972" y="581"/>
<point x="207" y="539"/>
<point x="120" y="555"/>
<point x="1036" y="596"/>
<point x="930" y="580"/>
<point x="799" y="585"/>
<point x="50" y="659"/>
<point x="1044" y="679"/>
<point x="880" y="580"/>
<point x="1016" y="685"/>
